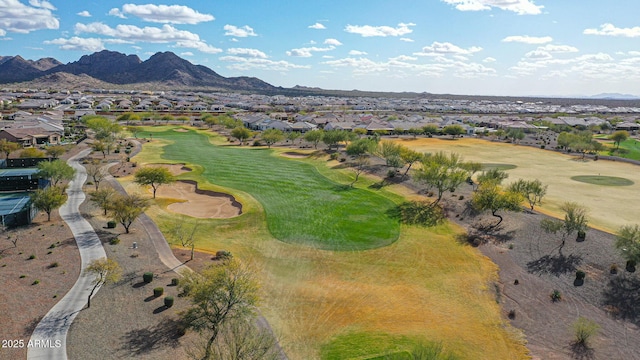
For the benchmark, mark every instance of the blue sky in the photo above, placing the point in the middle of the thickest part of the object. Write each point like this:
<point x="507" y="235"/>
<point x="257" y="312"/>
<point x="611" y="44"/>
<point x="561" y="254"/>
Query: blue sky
<point x="474" y="47"/>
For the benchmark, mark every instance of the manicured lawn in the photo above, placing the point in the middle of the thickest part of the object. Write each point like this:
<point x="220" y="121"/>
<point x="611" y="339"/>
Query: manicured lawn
<point x="609" y="207"/>
<point x="301" y="205"/>
<point x="424" y="287"/>
<point x="603" y="180"/>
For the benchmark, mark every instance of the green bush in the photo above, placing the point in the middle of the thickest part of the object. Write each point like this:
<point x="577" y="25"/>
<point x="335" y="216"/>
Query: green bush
<point x="631" y="266"/>
<point x="54" y="265"/>
<point x="556" y="295"/>
<point x="31" y="257"/>
<point x="147" y="277"/>
<point x="35" y="282"/>
<point x="580" y="275"/>
<point x="114" y="241"/>
<point x="581" y="235"/>
<point x="111" y="224"/>
<point x="584" y="329"/>
<point x="157" y="292"/>
<point x="175" y="282"/>
<point x="223" y="255"/>
<point x="334" y="156"/>
<point x="168" y="301"/>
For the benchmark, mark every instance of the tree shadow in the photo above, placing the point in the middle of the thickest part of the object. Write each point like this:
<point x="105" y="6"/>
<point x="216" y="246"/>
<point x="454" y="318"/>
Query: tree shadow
<point x="554" y="265"/>
<point x="160" y="309"/>
<point x="582" y="351"/>
<point x="622" y="298"/>
<point x="142" y="341"/>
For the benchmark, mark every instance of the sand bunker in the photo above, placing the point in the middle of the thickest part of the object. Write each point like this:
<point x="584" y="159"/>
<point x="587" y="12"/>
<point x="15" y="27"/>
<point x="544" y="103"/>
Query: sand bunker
<point x="204" y="204"/>
<point x="174" y="169"/>
<point x="180" y="130"/>
<point x="294" y="155"/>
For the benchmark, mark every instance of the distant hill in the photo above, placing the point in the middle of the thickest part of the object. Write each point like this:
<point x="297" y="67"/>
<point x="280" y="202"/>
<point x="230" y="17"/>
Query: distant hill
<point x="615" y="96"/>
<point x="164" y="68"/>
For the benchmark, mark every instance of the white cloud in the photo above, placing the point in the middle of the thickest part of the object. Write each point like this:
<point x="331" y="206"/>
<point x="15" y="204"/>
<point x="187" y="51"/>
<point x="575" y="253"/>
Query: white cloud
<point x="186" y="53"/>
<point x="446" y="48"/>
<point x="244" y="31"/>
<point x="198" y="45"/>
<point x="528" y="39"/>
<point x="383" y="31"/>
<point x="84" y="13"/>
<point x="317" y="26"/>
<point x="20" y="18"/>
<point x="164" y="34"/>
<point x="117" y="13"/>
<point x="558" y="48"/>
<point x="357" y="53"/>
<point x="244" y="64"/>
<point x="520" y="7"/>
<point x="42" y="4"/>
<point x="333" y="42"/>
<point x="77" y="43"/>
<point x="612" y="30"/>
<point x="538" y="54"/>
<point x="404" y="58"/>
<point x="2" y="32"/>
<point x="166" y="14"/>
<point x="406" y="39"/>
<point x="489" y="60"/>
<point x="252" y="53"/>
<point x="308" y="51"/>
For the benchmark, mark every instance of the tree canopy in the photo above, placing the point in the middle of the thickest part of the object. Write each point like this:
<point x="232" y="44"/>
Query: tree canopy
<point x="104" y="271"/>
<point x="628" y="242"/>
<point x="241" y="133"/>
<point x="441" y="172"/>
<point x="153" y="176"/>
<point x="48" y="199"/>
<point x="125" y="209"/>
<point x="272" y="136"/>
<point x="219" y="295"/>
<point x="56" y="171"/>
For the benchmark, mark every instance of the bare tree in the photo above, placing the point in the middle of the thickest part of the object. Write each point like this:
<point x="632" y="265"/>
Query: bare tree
<point x="105" y="271"/>
<point x="185" y="234"/>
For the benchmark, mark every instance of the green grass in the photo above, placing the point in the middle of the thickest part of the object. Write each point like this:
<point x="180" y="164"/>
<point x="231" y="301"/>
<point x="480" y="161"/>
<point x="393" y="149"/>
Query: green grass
<point x="603" y="180"/>
<point x="491" y="166"/>
<point x="380" y="346"/>
<point x="301" y="205"/>
<point x="629" y="149"/>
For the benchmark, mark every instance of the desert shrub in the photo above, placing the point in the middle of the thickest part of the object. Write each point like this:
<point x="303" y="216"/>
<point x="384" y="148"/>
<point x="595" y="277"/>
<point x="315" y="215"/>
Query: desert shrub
<point x="542" y="147"/>
<point x="31" y="257"/>
<point x="54" y="265"/>
<point x="391" y="173"/>
<point x="35" y="282"/>
<point x="257" y="143"/>
<point x="583" y="330"/>
<point x="147" y="277"/>
<point x="157" y="292"/>
<point x="114" y="241"/>
<point x="556" y="295"/>
<point x="175" y="282"/>
<point x="418" y="213"/>
<point x="581" y="235"/>
<point x="23" y="276"/>
<point x="580" y="275"/>
<point x="613" y="269"/>
<point x="631" y="266"/>
<point x="516" y="282"/>
<point x="461" y="197"/>
<point x="512" y="314"/>
<point x="111" y="224"/>
<point x="223" y="255"/>
<point x="52" y="246"/>
<point x="168" y="301"/>
<point x="342" y="159"/>
<point x="334" y="156"/>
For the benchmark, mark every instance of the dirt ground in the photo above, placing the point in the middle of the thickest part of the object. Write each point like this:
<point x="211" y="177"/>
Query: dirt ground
<point x="540" y="265"/>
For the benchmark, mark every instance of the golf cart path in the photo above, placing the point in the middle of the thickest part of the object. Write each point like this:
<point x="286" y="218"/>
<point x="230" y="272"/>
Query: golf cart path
<point x="48" y="340"/>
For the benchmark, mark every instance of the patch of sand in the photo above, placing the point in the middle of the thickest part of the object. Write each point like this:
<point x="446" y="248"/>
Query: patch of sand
<point x="174" y="169"/>
<point x="609" y="207"/>
<point x="294" y="155"/>
<point x="180" y="130"/>
<point x="198" y="203"/>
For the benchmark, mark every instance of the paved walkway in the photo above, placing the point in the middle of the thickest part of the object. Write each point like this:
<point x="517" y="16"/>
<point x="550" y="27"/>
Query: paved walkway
<point x="51" y="332"/>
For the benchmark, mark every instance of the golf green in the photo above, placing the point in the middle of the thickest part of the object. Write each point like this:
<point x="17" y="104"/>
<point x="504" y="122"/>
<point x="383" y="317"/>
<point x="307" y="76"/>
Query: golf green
<point x="301" y="205"/>
<point x="603" y="180"/>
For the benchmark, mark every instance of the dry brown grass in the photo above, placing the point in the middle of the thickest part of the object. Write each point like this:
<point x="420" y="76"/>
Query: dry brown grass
<point x="609" y="206"/>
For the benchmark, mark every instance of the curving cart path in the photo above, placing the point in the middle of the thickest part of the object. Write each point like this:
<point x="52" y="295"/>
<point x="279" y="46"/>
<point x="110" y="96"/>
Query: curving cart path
<point x="51" y="333"/>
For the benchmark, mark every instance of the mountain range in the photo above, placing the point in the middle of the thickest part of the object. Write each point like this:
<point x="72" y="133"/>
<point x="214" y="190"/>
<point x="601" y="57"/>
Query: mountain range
<point x="164" y="68"/>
